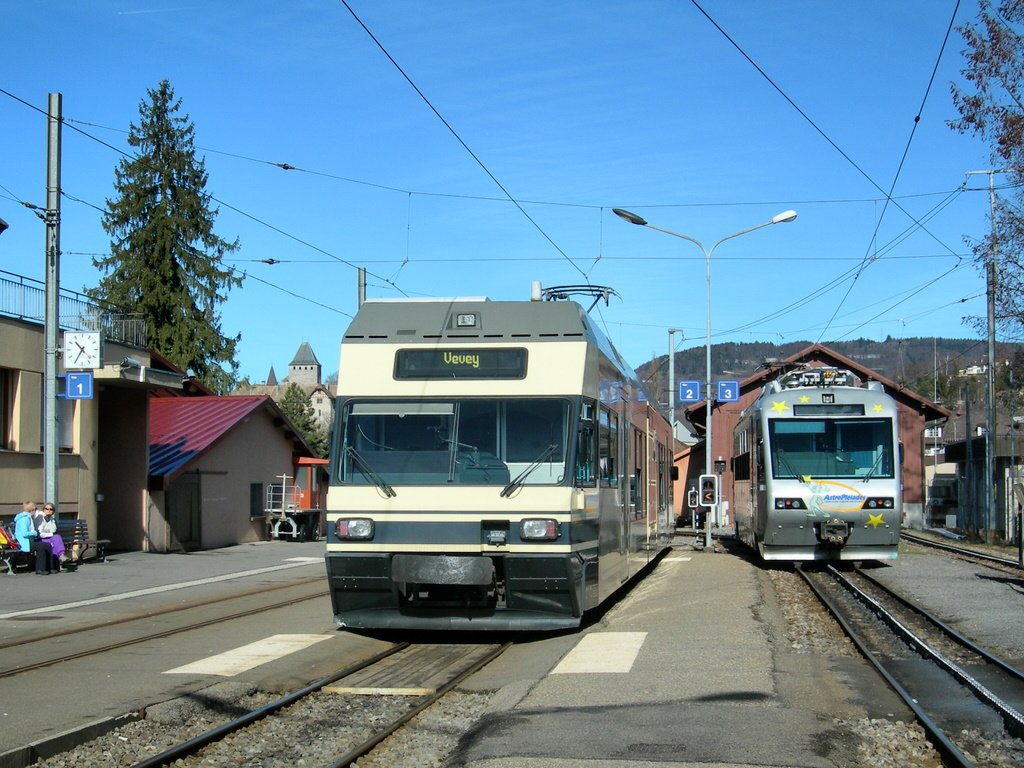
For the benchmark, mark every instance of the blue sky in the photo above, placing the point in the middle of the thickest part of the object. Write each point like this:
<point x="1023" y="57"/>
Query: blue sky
<point x="570" y="108"/>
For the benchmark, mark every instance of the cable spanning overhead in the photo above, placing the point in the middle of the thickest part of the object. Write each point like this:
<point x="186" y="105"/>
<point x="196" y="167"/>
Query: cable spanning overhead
<point x="853" y="272"/>
<point x="906" y="150"/>
<point x="811" y="122"/>
<point x="459" y="139"/>
<point x="1010" y="184"/>
<point x="212" y="197"/>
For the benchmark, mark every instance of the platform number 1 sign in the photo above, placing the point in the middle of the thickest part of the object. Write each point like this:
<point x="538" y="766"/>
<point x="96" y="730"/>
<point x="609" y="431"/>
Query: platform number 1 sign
<point x="78" y="386"/>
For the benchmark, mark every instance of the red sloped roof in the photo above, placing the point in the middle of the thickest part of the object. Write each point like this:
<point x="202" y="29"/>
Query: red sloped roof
<point x="182" y="428"/>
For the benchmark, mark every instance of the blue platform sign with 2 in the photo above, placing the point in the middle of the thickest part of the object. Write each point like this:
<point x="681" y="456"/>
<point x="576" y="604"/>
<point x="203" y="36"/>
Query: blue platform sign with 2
<point x="689" y="391"/>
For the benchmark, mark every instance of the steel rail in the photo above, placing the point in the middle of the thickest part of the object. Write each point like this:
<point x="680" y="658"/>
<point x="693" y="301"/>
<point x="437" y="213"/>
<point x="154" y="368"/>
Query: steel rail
<point x="965" y="551"/>
<point x="950" y="753"/>
<point x="948" y="630"/>
<point x="159" y="612"/>
<point x="1012" y="719"/>
<point x="11" y="672"/>
<point x="367" y="746"/>
<point x="190" y="747"/>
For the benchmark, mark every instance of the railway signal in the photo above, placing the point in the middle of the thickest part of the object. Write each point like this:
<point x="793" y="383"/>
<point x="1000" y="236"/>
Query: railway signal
<point x="691" y="498"/>
<point x="708" y="490"/>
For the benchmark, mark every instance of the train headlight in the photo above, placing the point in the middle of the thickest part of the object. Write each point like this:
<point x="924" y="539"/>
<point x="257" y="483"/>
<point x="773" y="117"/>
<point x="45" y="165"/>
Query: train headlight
<point x="879" y="503"/>
<point x="539" y="529"/>
<point x="354" y="528"/>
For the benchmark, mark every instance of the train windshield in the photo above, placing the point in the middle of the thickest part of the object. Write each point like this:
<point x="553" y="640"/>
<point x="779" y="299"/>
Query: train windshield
<point x="836" y="448"/>
<point x="503" y="442"/>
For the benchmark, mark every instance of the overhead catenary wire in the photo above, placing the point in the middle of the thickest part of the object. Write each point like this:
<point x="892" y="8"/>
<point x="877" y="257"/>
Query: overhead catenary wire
<point x="460" y="140"/>
<point x="286" y="166"/>
<point x="888" y="197"/>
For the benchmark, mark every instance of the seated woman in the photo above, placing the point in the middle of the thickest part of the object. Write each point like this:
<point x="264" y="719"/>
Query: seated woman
<point x="46" y="526"/>
<point x="28" y="538"/>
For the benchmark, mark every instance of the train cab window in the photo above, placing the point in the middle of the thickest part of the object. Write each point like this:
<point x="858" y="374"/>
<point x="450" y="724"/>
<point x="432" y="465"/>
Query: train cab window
<point x="839" y="448"/>
<point x="472" y="442"/>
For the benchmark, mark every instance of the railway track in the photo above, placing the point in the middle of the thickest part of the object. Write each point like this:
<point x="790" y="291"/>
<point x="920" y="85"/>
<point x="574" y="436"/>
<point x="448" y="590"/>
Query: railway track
<point x="940" y="674"/>
<point x="100" y="637"/>
<point x="395" y="685"/>
<point x="970" y="553"/>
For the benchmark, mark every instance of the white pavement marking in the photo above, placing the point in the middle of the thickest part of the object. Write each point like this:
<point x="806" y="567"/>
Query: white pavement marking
<point x="154" y="590"/>
<point x="676" y="559"/>
<point x="248" y="656"/>
<point x="602" y="652"/>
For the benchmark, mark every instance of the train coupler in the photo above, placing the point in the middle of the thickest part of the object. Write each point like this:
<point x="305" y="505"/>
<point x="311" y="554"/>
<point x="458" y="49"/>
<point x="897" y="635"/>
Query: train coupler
<point x="834" y="532"/>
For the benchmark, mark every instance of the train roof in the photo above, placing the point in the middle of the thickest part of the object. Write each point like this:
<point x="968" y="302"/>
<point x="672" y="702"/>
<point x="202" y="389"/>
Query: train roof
<point x="477" y="320"/>
<point x="469" y="319"/>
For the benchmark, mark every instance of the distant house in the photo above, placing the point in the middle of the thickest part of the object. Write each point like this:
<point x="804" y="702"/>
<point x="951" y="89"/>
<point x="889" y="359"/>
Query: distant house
<point x="915" y="414"/>
<point x="210" y="462"/>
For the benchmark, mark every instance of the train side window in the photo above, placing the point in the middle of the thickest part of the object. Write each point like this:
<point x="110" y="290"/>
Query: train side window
<point x="586" y="447"/>
<point x="741" y="467"/>
<point x="608" y="448"/>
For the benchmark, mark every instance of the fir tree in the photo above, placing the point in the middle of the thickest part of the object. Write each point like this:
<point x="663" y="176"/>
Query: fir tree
<point x="296" y="406"/>
<point x="165" y="261"/>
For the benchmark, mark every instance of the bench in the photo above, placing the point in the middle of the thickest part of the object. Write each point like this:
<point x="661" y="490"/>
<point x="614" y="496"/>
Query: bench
<point x="11" y="558"/>
<point x="10" y="554"/>
<point x="75" y="533"/>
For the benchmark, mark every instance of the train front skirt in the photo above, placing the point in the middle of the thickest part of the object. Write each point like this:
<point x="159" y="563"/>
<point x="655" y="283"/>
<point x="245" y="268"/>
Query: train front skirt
<point x="433" y="591"/>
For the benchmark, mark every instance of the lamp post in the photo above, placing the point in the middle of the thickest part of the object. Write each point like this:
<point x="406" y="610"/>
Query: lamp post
<point x="672" y="381"/>
<point x="779" y="218"/>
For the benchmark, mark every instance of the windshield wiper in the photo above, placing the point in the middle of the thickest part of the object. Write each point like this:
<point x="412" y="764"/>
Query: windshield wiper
<point x="513" y="486"/>
<point x="781" y="454"/>
<point x="370" y="472"/>
<point x="874" y="466"/>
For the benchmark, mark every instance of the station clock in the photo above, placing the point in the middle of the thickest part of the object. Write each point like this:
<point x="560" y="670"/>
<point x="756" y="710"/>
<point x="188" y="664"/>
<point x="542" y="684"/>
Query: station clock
<point x="83" y="349"/>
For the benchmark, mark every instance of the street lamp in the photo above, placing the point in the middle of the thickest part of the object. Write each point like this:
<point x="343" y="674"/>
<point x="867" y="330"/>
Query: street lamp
<point x="672" y="381"/>
<point x="779" y="218"/>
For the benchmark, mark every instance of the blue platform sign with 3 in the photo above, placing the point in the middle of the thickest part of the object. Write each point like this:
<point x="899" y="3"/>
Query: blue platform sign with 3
<point x="728" y="391"/>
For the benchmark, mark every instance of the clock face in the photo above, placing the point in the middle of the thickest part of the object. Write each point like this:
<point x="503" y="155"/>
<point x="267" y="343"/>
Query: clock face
<point x="82" y="349"/>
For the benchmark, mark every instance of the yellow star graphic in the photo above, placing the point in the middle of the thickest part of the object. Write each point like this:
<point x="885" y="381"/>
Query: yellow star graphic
<point x="805" y="399"/>
<point x="875" y="520"/>
<point x="779" y="406"/>
<point x="878" y="407"/>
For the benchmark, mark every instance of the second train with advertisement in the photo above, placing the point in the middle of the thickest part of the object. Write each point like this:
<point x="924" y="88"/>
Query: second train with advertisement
<point x="817" y="469"/>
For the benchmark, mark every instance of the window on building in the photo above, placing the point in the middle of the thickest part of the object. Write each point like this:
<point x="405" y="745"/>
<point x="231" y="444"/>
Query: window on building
<point x="6" y="406"/>
<point x="66" y="424"/>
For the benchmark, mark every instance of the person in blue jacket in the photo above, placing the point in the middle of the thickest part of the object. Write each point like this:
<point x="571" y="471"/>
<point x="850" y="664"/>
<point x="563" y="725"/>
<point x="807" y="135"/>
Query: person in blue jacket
<point x="29" y="541"/>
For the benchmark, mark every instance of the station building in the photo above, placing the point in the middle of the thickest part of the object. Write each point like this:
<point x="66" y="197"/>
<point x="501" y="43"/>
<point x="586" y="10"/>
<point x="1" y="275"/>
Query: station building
<point x="152" y="460"/>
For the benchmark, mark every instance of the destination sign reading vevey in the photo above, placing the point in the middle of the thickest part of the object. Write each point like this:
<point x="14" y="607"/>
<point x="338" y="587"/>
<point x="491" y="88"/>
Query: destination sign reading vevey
<point x="460" y="363"/>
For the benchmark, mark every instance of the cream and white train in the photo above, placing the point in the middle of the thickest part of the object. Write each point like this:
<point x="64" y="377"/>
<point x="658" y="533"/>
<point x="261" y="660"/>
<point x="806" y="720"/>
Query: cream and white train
<point x="494" y="465"/>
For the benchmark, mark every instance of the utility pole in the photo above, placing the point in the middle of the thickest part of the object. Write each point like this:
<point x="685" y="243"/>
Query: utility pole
<point x="991" y="282"/>
<point x="51" y="320"/>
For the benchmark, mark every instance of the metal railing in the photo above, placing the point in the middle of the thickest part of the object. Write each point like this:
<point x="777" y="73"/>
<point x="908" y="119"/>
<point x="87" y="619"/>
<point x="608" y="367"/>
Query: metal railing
<point x="25" y="299"/>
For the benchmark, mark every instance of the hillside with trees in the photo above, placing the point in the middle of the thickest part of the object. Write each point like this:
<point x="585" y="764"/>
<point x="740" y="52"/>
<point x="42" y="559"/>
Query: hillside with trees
<point x="936" y="368"/>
